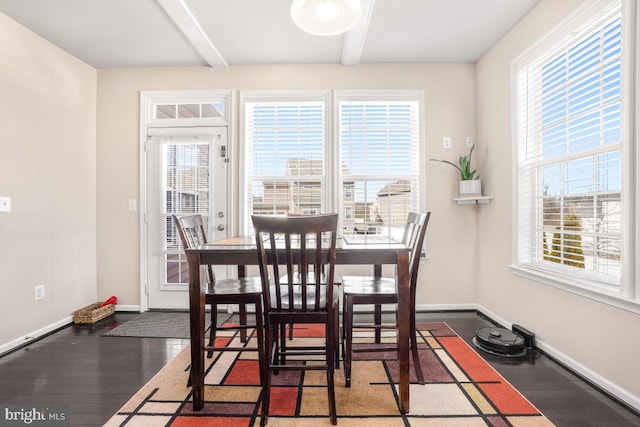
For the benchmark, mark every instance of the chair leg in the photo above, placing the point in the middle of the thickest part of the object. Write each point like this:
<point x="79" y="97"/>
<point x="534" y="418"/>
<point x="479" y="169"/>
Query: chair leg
<point x="414" y="348"/>
<point x="336" y="329"/>
<point x="377" y="320"/>
<point x="243" y="321"/>
<point x="262" y="352"/>
<point x="266" y="386"/>
<point x="214" y="327"/>
<point x="330" y="352"/>
<point x="348" y="338"/>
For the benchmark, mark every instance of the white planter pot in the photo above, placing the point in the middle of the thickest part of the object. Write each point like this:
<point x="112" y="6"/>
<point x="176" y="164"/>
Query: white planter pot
<point x="471" y="188"/>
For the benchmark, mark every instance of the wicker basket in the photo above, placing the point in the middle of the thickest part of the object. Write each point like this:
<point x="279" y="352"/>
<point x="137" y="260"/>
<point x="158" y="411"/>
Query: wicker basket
<point x="92" y="313"/>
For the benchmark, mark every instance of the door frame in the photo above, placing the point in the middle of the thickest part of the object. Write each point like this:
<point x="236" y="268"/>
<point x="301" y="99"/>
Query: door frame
<point x="149" y="100"/>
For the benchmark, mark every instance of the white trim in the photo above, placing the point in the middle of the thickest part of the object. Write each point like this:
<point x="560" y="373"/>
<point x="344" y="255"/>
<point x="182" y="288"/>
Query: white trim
<point x="129" y="308"/>
<point x="147" y="101"/>
<point x="146" y="112"/>
<point x="630" y="287"/>
<point x="185" y="20"/>
<point x="575" y="366"/>
<point x="35" y="335"/>
<point x="354" y="39"/>
<point x="569" y="284"/>
<point x="447" y="307"/>
<point x="562" y="31"/>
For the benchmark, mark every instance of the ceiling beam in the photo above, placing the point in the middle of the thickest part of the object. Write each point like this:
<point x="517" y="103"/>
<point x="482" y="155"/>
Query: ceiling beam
<point x="355" y="38"/>
<point x="184" y="19"/>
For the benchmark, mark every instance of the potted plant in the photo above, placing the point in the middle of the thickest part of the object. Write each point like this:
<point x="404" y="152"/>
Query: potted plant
<point x="470" y="184"/>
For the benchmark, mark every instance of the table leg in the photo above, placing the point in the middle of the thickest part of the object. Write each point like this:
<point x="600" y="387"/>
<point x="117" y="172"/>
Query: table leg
<point x="404" y="301"/>
<point x="377" y="309"/>
<point x="196" y="322"/>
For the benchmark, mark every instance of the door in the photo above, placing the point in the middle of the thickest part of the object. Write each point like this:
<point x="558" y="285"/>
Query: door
<point x="186" y="173"/>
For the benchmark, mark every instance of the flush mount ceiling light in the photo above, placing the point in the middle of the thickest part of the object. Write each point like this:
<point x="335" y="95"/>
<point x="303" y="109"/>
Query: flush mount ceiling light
<point x="325" y="17"/>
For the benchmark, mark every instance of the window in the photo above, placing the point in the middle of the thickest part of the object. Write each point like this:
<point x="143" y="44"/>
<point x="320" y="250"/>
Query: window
<point x="369" y="172"/>
<point x="570" y="150"/>
<point x="379" y="157"/>
<point x="285" y="153"/>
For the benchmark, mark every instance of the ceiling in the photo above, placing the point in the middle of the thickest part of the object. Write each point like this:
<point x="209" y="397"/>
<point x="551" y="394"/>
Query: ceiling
<point x="221" y="33"/>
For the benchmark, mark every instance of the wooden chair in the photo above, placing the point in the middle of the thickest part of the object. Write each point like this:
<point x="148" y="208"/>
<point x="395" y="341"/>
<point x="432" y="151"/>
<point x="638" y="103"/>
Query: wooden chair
<point x="299" y="246"/>
<point x="242" y="291"/>
<point x="359" y="290"/>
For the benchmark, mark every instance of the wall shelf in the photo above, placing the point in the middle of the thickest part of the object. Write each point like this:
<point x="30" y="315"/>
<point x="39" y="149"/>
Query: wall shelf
<point x="481" y="200"/>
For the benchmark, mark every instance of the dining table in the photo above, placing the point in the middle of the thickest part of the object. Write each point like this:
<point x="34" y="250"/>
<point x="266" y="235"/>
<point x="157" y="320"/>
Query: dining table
<point x="241" y="252"/>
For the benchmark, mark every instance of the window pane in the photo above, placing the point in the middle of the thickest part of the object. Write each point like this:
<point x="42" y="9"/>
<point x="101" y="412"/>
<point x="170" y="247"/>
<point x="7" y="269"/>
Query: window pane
<point x="569" y="136"/>
<point x="188" y="111"/>
<point x="379" y="157"/>
<point x="165" y="111"/>
<point x="286" y="156"/>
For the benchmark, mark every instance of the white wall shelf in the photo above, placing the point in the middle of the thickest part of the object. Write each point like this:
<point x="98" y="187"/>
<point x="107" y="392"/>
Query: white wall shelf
<point x="481" y="200"/>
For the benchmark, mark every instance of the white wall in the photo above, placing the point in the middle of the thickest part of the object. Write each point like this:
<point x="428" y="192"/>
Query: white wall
<point x="47" y="167"/>
<point x="600" y="340"/>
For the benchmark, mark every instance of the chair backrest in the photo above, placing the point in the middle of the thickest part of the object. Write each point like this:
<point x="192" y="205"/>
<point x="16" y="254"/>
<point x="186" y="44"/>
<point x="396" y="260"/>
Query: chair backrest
<point x="192" y="233"/>
<point x="413" y="236"/>
<point x="290" y="249"/>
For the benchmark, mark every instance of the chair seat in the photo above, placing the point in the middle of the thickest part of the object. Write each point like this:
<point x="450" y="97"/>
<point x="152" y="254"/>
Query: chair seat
<point x="367" y="285"/>
<point x="238" y="286"/>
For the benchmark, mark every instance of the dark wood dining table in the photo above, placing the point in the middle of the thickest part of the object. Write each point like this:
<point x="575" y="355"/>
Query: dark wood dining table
<point x="241" y="251"/>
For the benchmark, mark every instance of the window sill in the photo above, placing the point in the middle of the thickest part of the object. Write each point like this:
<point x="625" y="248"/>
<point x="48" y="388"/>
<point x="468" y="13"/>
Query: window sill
<point x="577" y="288"/>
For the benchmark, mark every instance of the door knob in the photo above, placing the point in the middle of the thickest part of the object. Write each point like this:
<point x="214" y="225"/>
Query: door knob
<point x="221" y="227"/>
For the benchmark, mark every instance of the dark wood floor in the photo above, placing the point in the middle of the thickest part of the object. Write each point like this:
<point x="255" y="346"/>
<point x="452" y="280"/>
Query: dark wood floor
<point x="96" y="375"/>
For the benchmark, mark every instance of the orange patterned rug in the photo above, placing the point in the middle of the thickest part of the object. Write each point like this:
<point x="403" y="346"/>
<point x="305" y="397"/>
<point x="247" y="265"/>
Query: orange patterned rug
<point x="461" y="390"/>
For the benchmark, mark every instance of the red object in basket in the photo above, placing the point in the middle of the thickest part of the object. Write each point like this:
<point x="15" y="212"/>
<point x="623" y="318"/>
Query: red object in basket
<point x="111" y="300"/>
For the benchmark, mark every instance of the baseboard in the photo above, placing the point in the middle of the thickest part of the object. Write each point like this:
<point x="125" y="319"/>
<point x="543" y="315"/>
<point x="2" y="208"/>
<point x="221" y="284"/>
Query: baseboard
<point x="446" y="307"/>
<point x="34" y="336"/>
<point x="596" y="380"/>
<point x="42" y="332"/>
<point x="129" y="308"/>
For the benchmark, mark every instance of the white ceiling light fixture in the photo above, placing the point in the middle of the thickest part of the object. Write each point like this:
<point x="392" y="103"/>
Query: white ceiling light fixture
<point x="325" y="17"/>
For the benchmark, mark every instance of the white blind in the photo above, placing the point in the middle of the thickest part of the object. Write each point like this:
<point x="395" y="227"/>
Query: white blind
<point x="569" y="153"/>
<point x="285" y="144"/>
<point x="379" y="155"/>
<point x="185" y="182"/>
<point x="185" y="189"/>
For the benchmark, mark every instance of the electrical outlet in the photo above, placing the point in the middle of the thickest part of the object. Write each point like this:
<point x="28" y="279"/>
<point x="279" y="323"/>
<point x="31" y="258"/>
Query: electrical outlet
<point x="468" y="141"/>
<point x="446" y="142"/>
<point x="39" y="292"/>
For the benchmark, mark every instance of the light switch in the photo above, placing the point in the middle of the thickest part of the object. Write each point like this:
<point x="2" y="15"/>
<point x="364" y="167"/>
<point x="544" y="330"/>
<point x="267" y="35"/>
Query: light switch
<point x="133" y="204"/>
<point x="5" y="204"/>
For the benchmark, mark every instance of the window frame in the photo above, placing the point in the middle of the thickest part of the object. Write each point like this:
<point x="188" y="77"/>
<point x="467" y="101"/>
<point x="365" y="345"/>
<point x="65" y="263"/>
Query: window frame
<point x="332" y="197"/>
<point x="267" y="96"/>
<point x="628" y="295"/>
<point x="380" y="95"/>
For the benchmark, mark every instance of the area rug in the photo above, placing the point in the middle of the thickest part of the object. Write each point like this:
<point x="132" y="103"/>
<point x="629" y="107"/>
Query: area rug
<point x="461" y="390"/>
